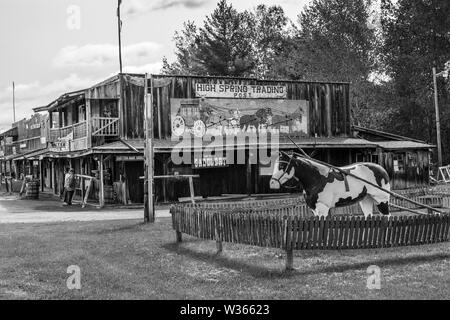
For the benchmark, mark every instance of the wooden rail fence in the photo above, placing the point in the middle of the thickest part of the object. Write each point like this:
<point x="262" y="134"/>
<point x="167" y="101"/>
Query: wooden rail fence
<point x="287" y="228"/>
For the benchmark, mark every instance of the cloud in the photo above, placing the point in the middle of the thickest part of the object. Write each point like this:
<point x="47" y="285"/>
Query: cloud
<point x="101" y="55"/>
<point x="135" y="7"/>
<point x="154" y="68"/>
<point x="34" y="94"/>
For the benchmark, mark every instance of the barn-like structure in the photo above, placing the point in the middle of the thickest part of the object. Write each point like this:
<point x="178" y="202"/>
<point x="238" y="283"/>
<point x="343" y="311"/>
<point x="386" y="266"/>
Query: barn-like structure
<point x="316" y="115"/>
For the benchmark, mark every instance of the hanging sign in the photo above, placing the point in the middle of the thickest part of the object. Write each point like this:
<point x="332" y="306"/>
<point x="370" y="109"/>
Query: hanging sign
<point x="206" y="162"/>
<point x="240" y="91"/>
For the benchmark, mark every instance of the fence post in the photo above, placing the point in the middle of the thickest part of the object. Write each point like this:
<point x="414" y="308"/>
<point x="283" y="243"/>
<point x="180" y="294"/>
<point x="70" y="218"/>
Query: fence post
<point x="287" y="226"/>
<point x="218" y="227"/>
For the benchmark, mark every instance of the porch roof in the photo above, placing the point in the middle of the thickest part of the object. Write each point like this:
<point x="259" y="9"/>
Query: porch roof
<point x="404" y="145"/>
<point x="166" y="145"/>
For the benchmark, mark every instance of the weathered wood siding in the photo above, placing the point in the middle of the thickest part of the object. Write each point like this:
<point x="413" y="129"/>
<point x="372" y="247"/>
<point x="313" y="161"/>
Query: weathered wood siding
<point x="132" y="109"/>
<point x="416" y="168"/>
<point x="329" y="103"/>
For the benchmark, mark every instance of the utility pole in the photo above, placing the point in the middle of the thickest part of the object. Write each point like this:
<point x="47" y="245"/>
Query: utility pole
<point x="149" y="210"/>
<point x="119" y="29"/>
<point x="438" y="121"/>
<point x="14" y="101"/>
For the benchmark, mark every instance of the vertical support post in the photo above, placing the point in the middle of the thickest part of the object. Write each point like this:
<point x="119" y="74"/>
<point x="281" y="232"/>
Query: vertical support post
<point x="289" y="259"/>
<point x="328" y="109"/>
<point x="41" y="176"/>
<point x="191" y="189"/>
<point x="88" y="123"/>
<point x="248" y="174"/>
<point x="148" y="101"/>
<point x="438" y="121"/>
<point x="53" y="177"/>
<point x="179" y="236"/>
<point x="102" y="188"/>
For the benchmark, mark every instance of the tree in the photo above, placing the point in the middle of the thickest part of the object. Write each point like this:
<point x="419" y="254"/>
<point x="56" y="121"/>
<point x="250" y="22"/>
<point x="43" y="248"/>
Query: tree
<point x="224" y="47"/>
<point x="268" y="38"/>
<point x="186" y="44"/>
<point x="416" y="39"/>
<point x="336" y="42"/>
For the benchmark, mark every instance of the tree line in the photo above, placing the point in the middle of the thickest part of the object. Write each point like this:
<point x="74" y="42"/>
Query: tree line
<point x="385" y="48"/>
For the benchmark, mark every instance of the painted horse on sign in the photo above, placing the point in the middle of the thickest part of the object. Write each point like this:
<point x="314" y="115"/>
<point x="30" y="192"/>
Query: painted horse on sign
<point x="327" y="188"/>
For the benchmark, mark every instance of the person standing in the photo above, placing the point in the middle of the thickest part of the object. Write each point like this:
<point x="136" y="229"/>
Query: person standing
<point x="69" y="187"/>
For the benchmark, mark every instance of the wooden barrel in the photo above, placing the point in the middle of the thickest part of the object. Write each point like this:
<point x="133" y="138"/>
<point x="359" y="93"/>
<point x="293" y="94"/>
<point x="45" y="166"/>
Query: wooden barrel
<point x="32" y="189"/>
<point x="109" y="194"/>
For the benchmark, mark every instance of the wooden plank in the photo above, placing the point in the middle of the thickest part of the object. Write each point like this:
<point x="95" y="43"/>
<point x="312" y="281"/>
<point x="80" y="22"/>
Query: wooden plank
<point x="326" y="230"/>
<point x="295" y="232"/>
<point x="321" y="232"/>
<point x="361" y="224"/>
<point x="337" y="232"/>
<point x="366" y="232"/>
<point x="330" y="232"/>
<point x="425" y="230"/>
<point x="351" y="232"/>
<point x="447" y="227"/>
<point x="316" y="233"/>
<point x="310" y="232"/>
<point x="304" y="233"/>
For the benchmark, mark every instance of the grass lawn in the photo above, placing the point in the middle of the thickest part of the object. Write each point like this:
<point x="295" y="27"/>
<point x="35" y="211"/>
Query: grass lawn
<point x="129" y="260"/>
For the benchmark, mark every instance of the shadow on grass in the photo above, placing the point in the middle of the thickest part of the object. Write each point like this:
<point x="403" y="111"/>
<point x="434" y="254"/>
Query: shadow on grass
<point x="260" y="271"/>
<point x="227" y="262"/>
<point x="136" y="227"/>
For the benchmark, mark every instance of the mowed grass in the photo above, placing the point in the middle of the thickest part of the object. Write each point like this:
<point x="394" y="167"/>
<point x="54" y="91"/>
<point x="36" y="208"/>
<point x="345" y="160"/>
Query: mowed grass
<point x="130" y="260"/>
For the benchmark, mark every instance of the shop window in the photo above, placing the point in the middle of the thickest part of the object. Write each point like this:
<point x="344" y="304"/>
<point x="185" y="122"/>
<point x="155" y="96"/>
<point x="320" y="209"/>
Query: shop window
<point x="399" y="163"/>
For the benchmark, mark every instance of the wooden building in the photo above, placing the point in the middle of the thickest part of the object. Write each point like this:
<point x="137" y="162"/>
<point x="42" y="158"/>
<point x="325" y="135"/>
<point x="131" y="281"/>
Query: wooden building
<point x="215" y="125"/>
<point x="316" y="115"/>
<point x="408" y="161"/>
<point x="85" y="128"/>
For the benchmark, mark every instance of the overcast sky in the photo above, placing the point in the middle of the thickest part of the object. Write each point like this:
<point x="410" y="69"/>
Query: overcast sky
<point x="49" y="49"/>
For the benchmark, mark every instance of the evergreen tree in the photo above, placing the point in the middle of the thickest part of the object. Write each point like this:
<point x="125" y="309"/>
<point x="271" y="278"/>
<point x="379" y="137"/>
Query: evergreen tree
<point x="224" y="46"/>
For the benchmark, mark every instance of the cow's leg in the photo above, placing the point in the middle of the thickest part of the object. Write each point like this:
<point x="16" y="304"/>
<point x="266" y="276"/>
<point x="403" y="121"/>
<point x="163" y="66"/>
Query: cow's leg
<point x="366" y="205"/>
<point x="321" y="210"/>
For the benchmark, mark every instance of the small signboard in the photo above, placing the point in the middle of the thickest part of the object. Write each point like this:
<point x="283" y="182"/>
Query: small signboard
<point x="206" y="162"/>
<point x="130" y="158"/>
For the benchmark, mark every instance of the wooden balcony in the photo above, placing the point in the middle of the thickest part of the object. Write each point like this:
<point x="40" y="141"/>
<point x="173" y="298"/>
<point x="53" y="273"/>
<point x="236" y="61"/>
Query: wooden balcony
<point x="105" y="127"/>
<point x="78" y="130"/>
<point x="69" y="138"/>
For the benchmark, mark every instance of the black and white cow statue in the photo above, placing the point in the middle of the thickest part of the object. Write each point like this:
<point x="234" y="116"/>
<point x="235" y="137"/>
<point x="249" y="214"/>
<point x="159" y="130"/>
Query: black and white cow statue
<point x="327" y="188"/>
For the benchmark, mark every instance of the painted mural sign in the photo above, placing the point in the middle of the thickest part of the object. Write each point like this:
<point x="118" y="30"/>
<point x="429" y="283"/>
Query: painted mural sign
<point x="240" y="91"/>
<point x="220" y="117"/>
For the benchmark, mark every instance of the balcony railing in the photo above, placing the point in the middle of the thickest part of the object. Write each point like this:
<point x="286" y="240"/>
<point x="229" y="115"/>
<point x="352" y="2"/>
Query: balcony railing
<point x="105" y="127"/>
<point x="78" y="130"/>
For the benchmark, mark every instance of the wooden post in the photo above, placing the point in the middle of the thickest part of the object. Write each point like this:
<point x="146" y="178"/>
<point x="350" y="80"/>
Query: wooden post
<point x="218" y="234"/>
<point x="248" y="174"/>
<point x="328" y="109"/>
<point x="191" y="189"/>
<point x="179" y="236"/>
<point x="41" y="176"/>
<point x="53" y="177"/>
<point x="102" y="189"/>
<point x="289" y="259"/>
<point x="150" y="213"/>
<point x="88" y="124"/>
<point x="438" y="122"/>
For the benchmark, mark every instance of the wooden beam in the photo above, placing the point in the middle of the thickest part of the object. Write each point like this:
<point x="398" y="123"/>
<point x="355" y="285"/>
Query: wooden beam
<point x="102" y="188"/>
<point x="88" y="123"/>
<point x="191" y="189"/>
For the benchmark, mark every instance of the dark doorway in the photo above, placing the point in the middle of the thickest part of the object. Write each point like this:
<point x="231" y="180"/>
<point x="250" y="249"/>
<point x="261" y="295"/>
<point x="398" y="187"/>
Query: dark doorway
<point x="134" y="170"/>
